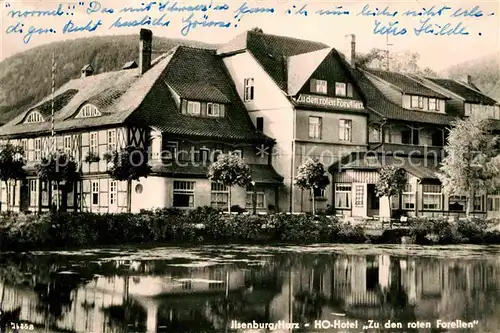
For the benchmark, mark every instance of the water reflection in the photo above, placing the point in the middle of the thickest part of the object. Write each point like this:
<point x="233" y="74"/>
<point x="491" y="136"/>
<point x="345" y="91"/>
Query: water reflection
<point x="208" y="289"/>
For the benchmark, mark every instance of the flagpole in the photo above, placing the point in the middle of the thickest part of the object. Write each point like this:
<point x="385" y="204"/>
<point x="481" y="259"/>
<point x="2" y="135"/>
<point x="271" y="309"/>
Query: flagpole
<point x="52" y="123"/>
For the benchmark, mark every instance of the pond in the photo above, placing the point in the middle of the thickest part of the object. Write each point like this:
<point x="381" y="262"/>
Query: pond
<point x="337" y="288"/>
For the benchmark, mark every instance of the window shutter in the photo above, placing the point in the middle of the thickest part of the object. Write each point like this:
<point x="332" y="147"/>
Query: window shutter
<point x="203" y="109"/>
<point x="184" y="106"/>
<point x="313" y="85"/>
<point x="222" y="110"/>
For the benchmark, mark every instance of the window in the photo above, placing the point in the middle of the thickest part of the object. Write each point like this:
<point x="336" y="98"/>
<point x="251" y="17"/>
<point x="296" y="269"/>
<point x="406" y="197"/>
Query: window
<point x="359" y="196"/>
<point x="345" y="130"/>
<point x="437" y="138"/>
<point x="24" y="146"/>
<point x="111" y="140"/>
<point x="494" y="203"/>
<point x="193" y="108"/>
<point x="408" y="198"/>
<point x="340" y="89"/>
<point x="249" y="90"/>
<point x="319" y="86"/>
<point x="94" y="142"/>
<point x="319" y="192"/>
<point x="417" y="102"/>
<point x="350" y="90"/>
<point x="237" y="152"/>
<point x="478" y="203"/>
<point x="375" y="134"/>
<point x="432" y="197"/>
<point x="259" y="202"/>
<point x="219" y="195"/>
<point x="215" y="110"/>
<point x="88" y="111"/>
<point x="457" y="203"/>
<point x="314" y="128"/>
<point x="33" y="185"/>
<point x="410" y="136"/>
<point x="343" y="196"/>
<point x="34" y="117"/>
<point x="183" y="194"/>
<point x="95" y="193"/>
<point x="433" y="104"/>
<point x="112" y="192"/>
<point x="67" y="145"/>
<point x="260" y="124"/>
<point x="38" y="149"/>
<point x="171" y="148"/>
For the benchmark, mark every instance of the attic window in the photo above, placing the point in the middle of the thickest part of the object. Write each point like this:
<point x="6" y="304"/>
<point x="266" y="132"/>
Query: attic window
<point x="88" y="111"/>
<point x="215" y="110"/>
<point x="34" y="117"/>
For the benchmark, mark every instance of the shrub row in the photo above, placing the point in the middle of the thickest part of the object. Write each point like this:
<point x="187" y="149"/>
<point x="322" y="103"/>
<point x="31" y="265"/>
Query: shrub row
<point x="203" y="225"/>
<point x="207" y="225"/>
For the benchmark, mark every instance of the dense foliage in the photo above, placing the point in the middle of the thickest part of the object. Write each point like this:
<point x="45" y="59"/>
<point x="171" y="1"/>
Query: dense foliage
<point x="57" y="167"/>
<point x="311" y="175"/>
<point x="471" y="164"/>
<point x="229" y="170"/>
<point x="391" y="182"/>
<point x="128" y="163"/>
<point x="203" y="225"/>
<point x="22" y="86"/>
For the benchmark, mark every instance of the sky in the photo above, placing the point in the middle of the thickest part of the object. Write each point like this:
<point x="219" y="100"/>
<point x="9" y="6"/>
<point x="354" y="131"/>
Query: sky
<point x="481" y="24"/>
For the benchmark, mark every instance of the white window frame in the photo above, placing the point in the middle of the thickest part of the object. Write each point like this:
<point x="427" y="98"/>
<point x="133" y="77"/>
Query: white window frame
<point x="33" y="190"/>
<point x="219" y="195"/>
<point x="414" y="101"/>
<point x="113" y="192"/>
<point x="322" y="193"/>
<point x="481" y="203"/>
<point x="461" y="198"/>
<point x="248" y="89"/>
<point x="345" y="130"/>
<point x="409" y="197"/>
<point x="67" y="144"/>
<point x="433" y="104"/>
<point x="111" y="137"/>
<point x="315" y="128"/>
<point x="215" y="110"/>
<point x="430" y="195"/>
<point x="94" y="193"/>
<point x="193" y="108"/>
<point x="94" y="142"/>
<point x="344" y="189"/>
<point x="34" y="117"/>
<point x="340" y="89"/>
<point x="24" y="146"/>
<point x="260" y="202"/>
<point x="319" y="86"/>
<point x="184" y="188"/>
<point x="88" y="111"/>
<point x="37" y="148"/>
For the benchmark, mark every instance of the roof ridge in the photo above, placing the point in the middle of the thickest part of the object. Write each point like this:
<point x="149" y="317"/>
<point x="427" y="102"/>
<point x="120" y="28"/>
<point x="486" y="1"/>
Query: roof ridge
<point x="287" y="37"/>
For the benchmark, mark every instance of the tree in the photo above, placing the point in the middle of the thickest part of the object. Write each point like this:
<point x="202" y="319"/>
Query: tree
<point x="310" y="176"/>
<point x="11" y="166"/>
<point x="229" y="170"/>
<point x="402" y="62"/>
<point x="471" y="163"/>
<point x="58" y="167"/>
<point x="128" y="164"/>
<point x="391" y="182"/>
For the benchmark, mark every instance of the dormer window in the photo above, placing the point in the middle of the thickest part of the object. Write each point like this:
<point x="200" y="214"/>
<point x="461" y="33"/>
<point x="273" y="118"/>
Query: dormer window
<point x="215" y="110"/>
<point x="88" y="111"/>
<point x="194" y="108"/>
<point x="34" y="117"/>
<point x="340" y="89"/>
<point x="319" y="86"/>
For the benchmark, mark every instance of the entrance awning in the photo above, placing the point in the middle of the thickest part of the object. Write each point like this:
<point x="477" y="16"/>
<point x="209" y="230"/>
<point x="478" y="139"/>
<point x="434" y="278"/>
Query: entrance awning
<point x="421" y="168"/>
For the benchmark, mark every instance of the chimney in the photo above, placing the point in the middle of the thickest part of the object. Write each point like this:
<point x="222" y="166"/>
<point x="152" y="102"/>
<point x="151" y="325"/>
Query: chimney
<point x="145" y="45"/>
<point x="87" y="70"/>
<point x="351" y="51"/>
<point x="469" y="80"/>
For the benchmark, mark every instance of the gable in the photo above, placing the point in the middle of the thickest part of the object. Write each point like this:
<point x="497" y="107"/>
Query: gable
<point x="333" y="69"/>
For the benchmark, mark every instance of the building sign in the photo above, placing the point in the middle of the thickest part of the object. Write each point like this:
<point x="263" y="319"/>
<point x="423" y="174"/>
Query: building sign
<point x="330" y="102"/>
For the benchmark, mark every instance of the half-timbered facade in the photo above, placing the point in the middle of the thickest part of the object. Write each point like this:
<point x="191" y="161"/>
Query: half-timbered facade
<point x="181" y="107"/>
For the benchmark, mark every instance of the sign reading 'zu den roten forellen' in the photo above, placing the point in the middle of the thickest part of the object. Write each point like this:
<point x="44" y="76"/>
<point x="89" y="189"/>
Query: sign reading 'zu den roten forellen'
<point x="330" y="102"/>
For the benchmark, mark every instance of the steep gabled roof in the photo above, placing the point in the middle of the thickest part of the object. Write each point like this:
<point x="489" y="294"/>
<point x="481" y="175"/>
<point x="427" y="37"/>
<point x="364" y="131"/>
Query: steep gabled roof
<point x="381" y="108"/>
<point x="271" y="51"/>
<point x="468" y="93"/>
<point x="300" y="68"/>
<point x="197" y="74"/>
<point x="405" y="83"/>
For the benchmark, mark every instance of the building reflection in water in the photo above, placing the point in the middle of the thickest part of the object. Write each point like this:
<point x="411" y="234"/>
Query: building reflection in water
<point x="155" y="296"/>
